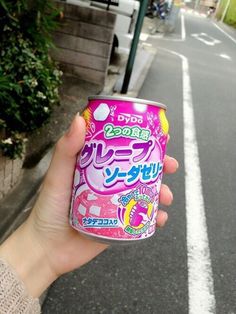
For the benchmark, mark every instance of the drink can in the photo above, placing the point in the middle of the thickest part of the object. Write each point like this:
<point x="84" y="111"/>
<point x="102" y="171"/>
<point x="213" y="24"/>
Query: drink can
<point x="119" y="170"/>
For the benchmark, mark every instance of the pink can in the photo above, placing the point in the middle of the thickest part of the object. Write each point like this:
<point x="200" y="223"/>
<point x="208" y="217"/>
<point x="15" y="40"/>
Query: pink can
<point x="119" y="170"/>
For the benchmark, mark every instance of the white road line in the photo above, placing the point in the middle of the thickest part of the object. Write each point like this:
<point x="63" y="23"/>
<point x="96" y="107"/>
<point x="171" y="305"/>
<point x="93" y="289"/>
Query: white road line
<point x="200" y="279"/>
<point x="206" y="39"/>
<point x="224" y="56"/>
<point x="224" y="32"/>
<point x="183" y="31"/>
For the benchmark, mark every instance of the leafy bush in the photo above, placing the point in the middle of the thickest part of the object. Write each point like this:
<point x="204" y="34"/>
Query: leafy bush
<point x="29" y="79"/>
<point x="230" y="17"/>
<point x="13" y="146"/>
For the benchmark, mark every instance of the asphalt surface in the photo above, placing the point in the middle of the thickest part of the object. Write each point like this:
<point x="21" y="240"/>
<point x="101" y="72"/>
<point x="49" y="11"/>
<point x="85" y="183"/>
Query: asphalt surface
<point x="152" y="277"/>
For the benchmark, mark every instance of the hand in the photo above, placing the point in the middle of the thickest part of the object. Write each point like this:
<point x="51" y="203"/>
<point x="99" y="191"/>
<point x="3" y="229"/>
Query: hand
<point x="47" y="236"/>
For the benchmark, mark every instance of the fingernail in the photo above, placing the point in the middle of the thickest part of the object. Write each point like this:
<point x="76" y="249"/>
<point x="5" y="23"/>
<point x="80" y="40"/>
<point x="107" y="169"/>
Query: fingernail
<point x="175" y="161"/>
<point x="161" y="222"/>
<point x="166" y="218"/>
<point x="172" y="196"/>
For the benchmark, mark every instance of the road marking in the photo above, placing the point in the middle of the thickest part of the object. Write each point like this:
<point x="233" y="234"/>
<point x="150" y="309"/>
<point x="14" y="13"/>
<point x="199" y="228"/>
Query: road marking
<point x="183" y="31"/>
<point x="224" y="32"/>
<point x="143" y="36"/>
<point x="225" y="56"/>
<point x="206" y="39"/>
<point x="200" y="279"/>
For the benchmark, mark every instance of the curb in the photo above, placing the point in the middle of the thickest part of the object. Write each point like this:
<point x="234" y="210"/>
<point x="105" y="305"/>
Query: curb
<point x="137" y="85"/>
<point x="144" y="57"/>
<point x="22" y="195"/>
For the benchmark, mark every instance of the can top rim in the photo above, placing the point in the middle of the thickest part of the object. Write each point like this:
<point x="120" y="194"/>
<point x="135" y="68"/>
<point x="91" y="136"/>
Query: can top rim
<point x="136" y="100"/>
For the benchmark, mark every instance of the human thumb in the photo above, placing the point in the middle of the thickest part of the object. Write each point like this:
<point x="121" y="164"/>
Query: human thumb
<point x="60" y="173"/>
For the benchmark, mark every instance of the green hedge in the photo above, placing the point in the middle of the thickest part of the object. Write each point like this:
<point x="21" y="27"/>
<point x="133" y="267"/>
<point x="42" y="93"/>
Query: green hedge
<point x="230" y="17"/>
<point x="231" y="14"/>
<point x="29" y="79"/>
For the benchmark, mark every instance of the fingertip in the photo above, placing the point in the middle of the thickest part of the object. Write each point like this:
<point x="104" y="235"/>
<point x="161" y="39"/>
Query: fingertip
<point x="166" y="195"/>
<point x="171" y="165"/>
<point x="72" y="141"/>
<point x="80" y="119"/>
<point x="77" y="124"/>
<point x="174" y="162"/>
<point x="81" y="123"/>
<point x="162" y="218"/>
<point x="61" y="170"/>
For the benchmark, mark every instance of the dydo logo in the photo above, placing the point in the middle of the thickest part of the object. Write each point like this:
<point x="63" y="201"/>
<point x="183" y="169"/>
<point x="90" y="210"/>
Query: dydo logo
<point x="133" y="118"/>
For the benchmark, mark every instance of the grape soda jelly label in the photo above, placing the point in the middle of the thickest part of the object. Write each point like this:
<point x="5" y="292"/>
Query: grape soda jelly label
<point x="119" y="170"/>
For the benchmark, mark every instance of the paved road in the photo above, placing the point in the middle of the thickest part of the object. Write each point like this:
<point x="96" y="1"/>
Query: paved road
<point x="189" y="266"/>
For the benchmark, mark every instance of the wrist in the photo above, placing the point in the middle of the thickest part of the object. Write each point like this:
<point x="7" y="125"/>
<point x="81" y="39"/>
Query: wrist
<point x="28" y="259"/>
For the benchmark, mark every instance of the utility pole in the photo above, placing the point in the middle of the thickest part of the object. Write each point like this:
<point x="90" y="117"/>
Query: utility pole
<point x="134" y="45"/>
<point x="225" y="11"/>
